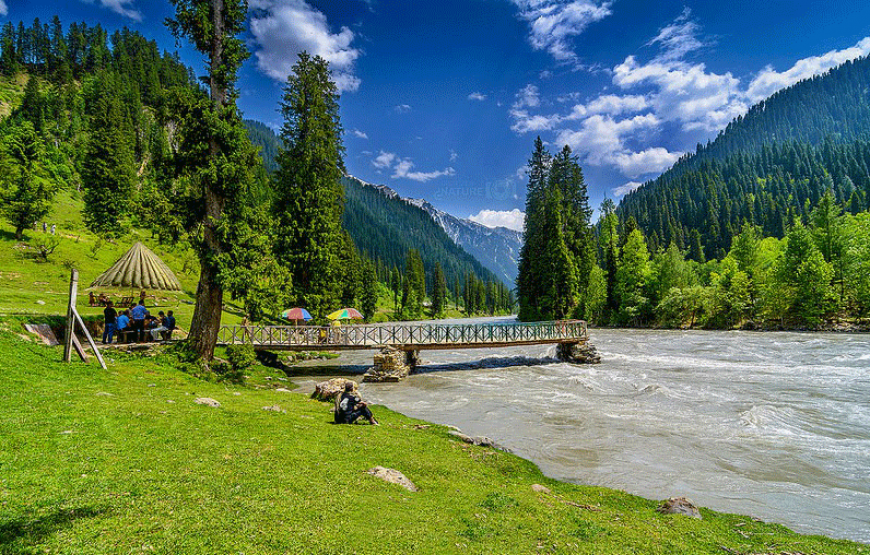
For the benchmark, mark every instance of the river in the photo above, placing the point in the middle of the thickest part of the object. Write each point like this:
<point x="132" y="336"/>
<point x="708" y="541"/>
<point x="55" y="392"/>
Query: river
<point x="774" y="425"/>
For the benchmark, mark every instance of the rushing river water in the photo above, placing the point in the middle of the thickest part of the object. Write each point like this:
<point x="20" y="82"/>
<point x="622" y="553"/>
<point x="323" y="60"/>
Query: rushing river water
<point x="775" y="425"/>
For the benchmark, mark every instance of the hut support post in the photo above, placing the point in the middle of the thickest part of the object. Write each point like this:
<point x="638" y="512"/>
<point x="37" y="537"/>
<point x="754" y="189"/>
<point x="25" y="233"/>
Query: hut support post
<point x="73" y="318"/>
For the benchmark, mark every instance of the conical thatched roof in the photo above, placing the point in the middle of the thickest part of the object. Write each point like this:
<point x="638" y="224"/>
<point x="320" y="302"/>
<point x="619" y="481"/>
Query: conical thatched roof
<point x="141" y="269"/>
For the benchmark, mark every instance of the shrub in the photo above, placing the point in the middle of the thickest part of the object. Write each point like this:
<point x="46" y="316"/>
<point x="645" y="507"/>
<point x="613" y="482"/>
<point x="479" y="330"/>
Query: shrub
<point x="241" y="357"/>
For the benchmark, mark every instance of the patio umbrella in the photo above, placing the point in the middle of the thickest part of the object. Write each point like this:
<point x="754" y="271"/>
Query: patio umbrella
<point x="345" y="314"/>
<point x="296" y="313"/>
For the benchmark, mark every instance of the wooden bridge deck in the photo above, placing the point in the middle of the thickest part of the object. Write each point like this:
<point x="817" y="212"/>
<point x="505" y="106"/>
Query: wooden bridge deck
<point x="405" y="337"/>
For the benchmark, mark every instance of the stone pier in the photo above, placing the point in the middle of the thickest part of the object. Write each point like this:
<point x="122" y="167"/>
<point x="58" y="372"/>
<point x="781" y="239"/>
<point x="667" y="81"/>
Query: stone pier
<point x="391" y="365"/>
<point x="581" y="352"/>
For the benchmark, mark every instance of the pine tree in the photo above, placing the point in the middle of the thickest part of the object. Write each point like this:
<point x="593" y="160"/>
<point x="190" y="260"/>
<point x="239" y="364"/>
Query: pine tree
<point x="309" y="196"/>
<point x="217" y="165"/>
<point x="528" y="286"/>
<point x="26" y="191"/>
<point x="439" y="292"/>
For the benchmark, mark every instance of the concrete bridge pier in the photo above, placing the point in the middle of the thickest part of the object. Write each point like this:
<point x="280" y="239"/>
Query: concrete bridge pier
<point x="412" y="359"/>
<point x="579" y="352"/>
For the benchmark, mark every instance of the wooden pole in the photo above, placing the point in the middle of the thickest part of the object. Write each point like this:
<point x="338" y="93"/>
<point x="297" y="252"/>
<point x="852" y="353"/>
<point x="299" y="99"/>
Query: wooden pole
<point x="70" y="319"/>
<point x="89" y="338"/>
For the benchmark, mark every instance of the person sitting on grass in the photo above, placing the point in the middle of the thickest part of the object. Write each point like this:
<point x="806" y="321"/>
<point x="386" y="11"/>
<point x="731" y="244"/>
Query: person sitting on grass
<point x="349" y="407"/>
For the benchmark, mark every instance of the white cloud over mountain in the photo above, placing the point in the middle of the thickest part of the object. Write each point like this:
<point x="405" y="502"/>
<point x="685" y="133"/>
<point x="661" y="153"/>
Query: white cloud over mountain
<point x="666" y="89"/>
<point x="402" y="168"/>
<point x="4" y="9"/>
<point x="511" y="219"/>
<point x="125" y="8"/>
<point x="283" y="28"/>
<point x="554" y="23"/>
<point x="629" y="187"/>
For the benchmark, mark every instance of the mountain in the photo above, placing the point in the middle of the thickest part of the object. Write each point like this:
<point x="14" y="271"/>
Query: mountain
<point x="496" y="248"/>
<point x="384" y="227"/>
<point x="767" y="166"/>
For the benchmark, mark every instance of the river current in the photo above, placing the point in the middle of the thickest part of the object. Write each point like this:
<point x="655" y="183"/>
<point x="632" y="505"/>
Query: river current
<point x="774" y="425"/>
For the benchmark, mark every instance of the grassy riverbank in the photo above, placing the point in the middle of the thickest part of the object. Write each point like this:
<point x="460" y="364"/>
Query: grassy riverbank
<point x="124" y="461"/>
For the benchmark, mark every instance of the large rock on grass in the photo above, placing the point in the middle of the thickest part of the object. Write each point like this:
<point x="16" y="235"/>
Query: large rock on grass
<point x="327" y="391"/>
<point x="679" y="506"/>
<point x="392" y="476"/>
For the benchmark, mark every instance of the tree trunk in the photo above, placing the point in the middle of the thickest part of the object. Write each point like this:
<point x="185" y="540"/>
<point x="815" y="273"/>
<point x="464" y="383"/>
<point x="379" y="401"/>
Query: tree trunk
<point x="209" y="294"/>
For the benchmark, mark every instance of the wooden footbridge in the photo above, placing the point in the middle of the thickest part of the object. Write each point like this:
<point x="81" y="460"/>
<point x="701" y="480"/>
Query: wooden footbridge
<point x="410" y="338"/>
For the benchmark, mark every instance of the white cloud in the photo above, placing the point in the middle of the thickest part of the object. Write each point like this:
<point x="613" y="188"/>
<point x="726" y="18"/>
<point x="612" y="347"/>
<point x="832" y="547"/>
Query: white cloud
<point x="359" y="134"/>
<point x="121" y="7"/>
<point x="477" y="96"/>
<point x="601" y="139"/>
<point x="402" y="168"/>
<point x="4" y="10"/>
<point x="511" y="219"/>
<point x="528" y="96"/>
<point x="651" y="160"/>
<point x="769" y="81"/>
<point x="528" y="123"/>
<point x="629" y="187"/>
<point x="554" y="23"/>
<point x="384" y="160"/>
<point x="454" y="156"/>
<point x="679" y="38"/>
<point x="402" y="108"/>
<point x="283" y="28"/>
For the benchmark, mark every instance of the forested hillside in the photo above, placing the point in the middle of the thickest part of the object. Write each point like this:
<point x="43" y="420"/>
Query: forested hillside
<point x="766" y="167"/>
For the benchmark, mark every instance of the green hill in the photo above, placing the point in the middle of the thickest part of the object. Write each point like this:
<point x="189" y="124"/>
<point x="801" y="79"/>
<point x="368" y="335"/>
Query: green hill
<point x="767" y="166"/>
<point x="384" y="227"/>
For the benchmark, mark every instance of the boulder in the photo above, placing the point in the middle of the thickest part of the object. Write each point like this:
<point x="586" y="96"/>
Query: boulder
<point x="540" y="489"/>
<point x="389" y="366"/>
<point x="207" y="402"/>
<point x="578" y="353"/>
<point x="326" y="391"/>
<point x="481" y="441"/>
<point x="392" y="476"/>
<point x="679" y="506"/>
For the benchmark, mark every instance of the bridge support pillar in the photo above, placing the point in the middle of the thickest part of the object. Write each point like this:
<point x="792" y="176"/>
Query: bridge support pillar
<point x="412" y="359"/>
<point x="389" y="366"/>
<point x="581" y="352"/>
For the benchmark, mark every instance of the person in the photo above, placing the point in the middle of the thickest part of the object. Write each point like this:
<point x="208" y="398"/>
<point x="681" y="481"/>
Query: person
<point x="138" y="314"/>
<point x="349" y="407"/>
<point x="157" y="330"/>
<point x="111" y="316"/>
<point x="53" y="229"/>
<point x="169" y="324"/>
<point x="123" y="323"/>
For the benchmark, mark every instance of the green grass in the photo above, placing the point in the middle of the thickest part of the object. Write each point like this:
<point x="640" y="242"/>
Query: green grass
<point x="123" y="461"/>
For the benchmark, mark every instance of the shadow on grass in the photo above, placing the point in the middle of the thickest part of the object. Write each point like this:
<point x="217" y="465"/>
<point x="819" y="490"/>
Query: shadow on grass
<point x="20" y="535"/>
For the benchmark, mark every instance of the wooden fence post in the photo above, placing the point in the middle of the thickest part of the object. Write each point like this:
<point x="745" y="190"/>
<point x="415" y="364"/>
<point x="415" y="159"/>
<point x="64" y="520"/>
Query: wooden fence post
<point x="70" y="318"/>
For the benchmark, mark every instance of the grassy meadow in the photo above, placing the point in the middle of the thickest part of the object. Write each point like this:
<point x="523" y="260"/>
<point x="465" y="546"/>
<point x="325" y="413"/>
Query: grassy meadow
<point x="124" y="461"/>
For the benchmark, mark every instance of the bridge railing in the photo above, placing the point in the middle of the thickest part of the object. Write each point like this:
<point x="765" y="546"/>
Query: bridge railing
<point x="399" y="334"/>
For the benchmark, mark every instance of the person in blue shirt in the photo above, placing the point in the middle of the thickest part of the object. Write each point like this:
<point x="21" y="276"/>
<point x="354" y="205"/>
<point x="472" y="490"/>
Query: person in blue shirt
<point x="138" y="314"/>
<point x="123" y="322"/>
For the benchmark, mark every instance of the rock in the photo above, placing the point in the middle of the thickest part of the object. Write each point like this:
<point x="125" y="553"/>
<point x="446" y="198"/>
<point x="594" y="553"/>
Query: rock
<point x="540" y="489"/>
<point x="462" y="437"/>
<point x="389" y="366"/>
<point x="206" y="401"/>
<point x="578" y="353"/>
<point x="392" y="476"/>
<point x="326" y="391"/>
<point x="104" y="394"/>
<point x="274" y="408"/>
<point x="40" y="302"/>
<point x="482" y="441"/>
<point x="679" y="506"/>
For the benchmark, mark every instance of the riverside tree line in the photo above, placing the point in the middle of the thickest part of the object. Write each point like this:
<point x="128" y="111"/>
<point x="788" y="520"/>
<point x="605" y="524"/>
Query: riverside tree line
<point x="818" y="272"/>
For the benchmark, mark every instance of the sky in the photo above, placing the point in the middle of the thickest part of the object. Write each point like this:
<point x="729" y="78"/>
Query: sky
<point x="443" y="100"/>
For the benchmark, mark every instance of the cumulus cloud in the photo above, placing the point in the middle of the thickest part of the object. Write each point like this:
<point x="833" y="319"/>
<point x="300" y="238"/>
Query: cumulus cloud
<point x="768" y="81"/>
<point x="283" y="28"/>
<point x="4" y="9"/>
<point x="651" y="160"/>
<point x="402" y="108"/>
<point x="554" y="23"/>
<point x="121" y="7"/>
<point x="511" y="219"/>
<point x="402" y="168"/>
<point x="629" y="187"/>
<point x="477" y="96"/>
<point x="359" y="134"/>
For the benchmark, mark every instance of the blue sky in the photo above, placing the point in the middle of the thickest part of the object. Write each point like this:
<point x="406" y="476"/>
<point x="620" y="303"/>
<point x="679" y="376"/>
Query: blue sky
<point x="442" y="100"/>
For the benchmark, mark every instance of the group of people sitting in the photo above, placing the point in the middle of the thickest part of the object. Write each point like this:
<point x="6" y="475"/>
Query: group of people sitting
<point x="138" y="322"/>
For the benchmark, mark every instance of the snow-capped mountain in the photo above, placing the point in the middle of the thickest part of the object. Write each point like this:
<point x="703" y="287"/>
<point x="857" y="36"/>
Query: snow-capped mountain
<point x="497" y="248"/>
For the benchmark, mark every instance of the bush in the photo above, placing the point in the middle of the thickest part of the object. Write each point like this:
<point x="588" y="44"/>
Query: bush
<point x="241" y="357"/>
